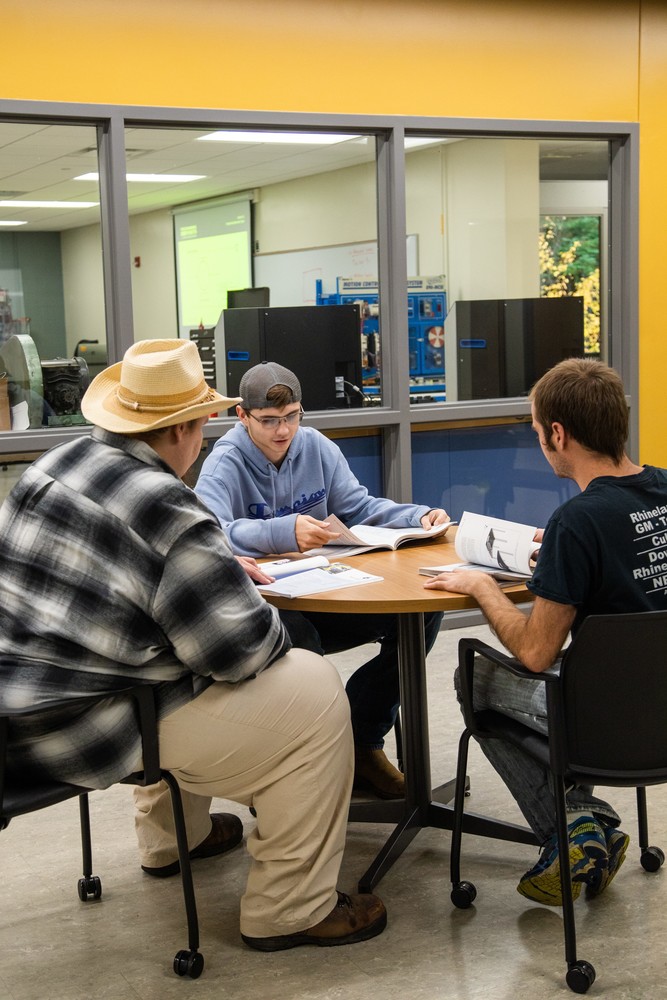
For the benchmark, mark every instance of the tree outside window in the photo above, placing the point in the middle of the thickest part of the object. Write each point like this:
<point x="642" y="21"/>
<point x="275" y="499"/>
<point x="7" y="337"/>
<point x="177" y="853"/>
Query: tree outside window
<point x="569" y="253"/>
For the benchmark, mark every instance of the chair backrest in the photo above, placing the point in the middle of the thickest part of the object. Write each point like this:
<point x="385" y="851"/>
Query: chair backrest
<point x="614" y="697"/>
<point x="24" y="796"/>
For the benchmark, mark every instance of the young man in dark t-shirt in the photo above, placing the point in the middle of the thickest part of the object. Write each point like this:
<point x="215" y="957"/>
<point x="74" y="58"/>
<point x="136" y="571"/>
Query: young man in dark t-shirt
<point x="596" y="558"/>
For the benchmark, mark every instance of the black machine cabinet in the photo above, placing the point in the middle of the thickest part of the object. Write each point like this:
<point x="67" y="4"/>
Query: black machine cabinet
<point x="320" y="344"/>
<point x="496" y="348"/>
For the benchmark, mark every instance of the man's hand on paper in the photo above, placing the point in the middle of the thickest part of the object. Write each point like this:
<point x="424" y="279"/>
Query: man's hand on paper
<point x="435" y="516"/>
<point x="462" y="581"/>
<point x="311" y="533"/>
<point x="254" y="570"/>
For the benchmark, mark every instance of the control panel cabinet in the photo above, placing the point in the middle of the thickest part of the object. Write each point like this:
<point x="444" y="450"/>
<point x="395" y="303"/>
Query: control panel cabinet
<point x="427" y="308"/>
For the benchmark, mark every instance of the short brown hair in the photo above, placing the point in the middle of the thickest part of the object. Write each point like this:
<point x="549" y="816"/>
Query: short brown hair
<point x="150" y="436"/>
<point x="587" y="397"/>
<point x="277" y="396"/>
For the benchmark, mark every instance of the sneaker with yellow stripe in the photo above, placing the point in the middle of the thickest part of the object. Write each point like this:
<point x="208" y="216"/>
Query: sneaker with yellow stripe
<point x="617" y="845"/>
<point x="587" y="857"/>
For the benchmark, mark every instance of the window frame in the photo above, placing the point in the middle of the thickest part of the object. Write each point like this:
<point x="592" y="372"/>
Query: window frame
<point x="396" y="418"/>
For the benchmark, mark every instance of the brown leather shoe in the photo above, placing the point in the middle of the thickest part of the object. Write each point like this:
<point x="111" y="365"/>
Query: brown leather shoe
<point x="226" y="833"/>
<point x="353" y="918"/>
<point x="374" y="772"/>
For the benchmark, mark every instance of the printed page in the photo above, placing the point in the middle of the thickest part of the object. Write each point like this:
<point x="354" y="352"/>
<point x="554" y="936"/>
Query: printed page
<point x="499" y="574"/>
<point x="375" y="536"/>
<point x="503" y="545"/>
<point x="279" y="568"/>
<point x="315" y="581"/>
<point x="347" y="537"/>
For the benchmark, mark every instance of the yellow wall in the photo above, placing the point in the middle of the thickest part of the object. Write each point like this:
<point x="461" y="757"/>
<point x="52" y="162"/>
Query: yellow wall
<point x="652" y="228"/>
<point x="597" y="60"/>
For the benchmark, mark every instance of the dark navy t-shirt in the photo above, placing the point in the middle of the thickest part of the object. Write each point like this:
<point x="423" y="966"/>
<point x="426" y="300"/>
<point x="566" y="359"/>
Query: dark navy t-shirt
<point x="605" y="550"/>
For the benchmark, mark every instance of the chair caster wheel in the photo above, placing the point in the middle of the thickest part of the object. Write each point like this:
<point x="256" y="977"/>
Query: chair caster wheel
<point x="189" y="963"/>
<point x="463" y="895"/>
<point x="652" y="859"/>
<point x="580" y="976"/>
<point x="90" y="887"/>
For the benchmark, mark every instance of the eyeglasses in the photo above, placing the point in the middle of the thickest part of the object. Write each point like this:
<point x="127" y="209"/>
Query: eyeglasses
<point x="271" y="423"/>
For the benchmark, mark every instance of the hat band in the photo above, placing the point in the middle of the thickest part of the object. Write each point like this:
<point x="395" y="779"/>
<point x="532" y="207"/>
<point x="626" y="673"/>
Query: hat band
<point x="164" y="404"/>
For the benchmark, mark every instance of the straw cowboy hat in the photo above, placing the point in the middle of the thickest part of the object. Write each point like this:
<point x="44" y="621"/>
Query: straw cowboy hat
<point x="158" y="383"/>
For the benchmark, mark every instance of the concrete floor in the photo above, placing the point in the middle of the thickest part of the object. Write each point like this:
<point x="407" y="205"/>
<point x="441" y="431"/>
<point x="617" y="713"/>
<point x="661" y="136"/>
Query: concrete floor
<point x="54" y="947"/>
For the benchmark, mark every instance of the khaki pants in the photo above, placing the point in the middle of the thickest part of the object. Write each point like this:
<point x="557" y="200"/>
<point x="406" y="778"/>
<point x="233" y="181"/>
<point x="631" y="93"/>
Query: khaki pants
<point x="281" y="742"/>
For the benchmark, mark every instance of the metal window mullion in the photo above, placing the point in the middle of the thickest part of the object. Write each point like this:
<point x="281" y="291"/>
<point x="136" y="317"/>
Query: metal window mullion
<point x="392" y="276"/>
<point x="116" y="254"/>
<point x="623" y="337"/>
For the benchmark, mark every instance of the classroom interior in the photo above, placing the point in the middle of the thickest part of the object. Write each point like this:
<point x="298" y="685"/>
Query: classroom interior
<point x="459" y="130"/>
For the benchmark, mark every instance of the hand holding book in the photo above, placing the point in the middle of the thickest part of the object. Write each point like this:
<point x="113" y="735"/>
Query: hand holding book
<point x="505" y="550"/>
<point x="366" y="537"/>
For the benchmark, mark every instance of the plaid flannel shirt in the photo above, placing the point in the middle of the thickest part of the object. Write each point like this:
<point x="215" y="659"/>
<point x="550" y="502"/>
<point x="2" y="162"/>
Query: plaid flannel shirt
<point x="114" y="573"/>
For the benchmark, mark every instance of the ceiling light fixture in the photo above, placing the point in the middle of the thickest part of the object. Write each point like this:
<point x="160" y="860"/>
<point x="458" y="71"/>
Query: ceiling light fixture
<point x="149" y="178"/>
<point x="284" y="138"/>
<point x="49" y="204"/>
<point x="17" y="223"/>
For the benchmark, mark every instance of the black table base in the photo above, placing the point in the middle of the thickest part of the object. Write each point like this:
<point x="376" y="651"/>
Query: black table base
<point x="421" y="807"/>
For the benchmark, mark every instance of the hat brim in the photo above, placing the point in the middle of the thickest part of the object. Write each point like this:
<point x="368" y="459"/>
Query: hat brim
<point x="100" y="406"/>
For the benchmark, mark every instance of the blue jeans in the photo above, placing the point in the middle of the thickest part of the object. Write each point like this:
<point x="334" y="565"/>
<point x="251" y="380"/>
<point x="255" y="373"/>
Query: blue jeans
<point x="527" y="780"/>
<point x="373" y="689"/>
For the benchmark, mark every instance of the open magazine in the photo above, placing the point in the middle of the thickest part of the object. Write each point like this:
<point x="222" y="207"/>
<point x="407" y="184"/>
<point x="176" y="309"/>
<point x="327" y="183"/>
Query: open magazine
<point x="504" y="549"/>
<point x="366" y="537"/>
<point x="288" y="566"/>
<point x="332" y="576"/>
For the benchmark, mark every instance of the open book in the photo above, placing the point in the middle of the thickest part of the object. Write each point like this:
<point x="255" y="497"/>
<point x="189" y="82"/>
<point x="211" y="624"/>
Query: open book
<point x="504" y="549"/>
<point x="332" y="576"/>
<point x="280" y="568"/>
<point x="365" y="537"/>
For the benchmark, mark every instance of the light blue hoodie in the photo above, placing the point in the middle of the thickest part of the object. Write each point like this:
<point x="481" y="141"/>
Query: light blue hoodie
<point x="257" y="504"/>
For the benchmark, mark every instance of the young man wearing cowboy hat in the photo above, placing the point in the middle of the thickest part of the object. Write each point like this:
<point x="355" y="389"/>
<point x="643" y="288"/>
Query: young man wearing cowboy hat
<point x="114" y="571"/>
<point x="272" y="484"/>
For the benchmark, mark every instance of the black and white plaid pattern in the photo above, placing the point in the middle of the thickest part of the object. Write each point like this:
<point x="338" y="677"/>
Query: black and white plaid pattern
<point x="112" y="572"/>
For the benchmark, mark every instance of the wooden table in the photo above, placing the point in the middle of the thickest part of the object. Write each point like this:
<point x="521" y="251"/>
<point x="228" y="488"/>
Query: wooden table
<point x="402" y="592"/>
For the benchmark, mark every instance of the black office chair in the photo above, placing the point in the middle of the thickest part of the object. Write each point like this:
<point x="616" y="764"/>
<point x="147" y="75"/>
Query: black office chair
<point x="607" y="717"/>
<point x="17" y="799"/>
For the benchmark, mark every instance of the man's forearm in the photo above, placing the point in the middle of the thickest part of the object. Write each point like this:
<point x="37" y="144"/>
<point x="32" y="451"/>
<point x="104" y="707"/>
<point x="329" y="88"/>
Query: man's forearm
<point x="535" y="638"/>
<point x="506" y="620"/>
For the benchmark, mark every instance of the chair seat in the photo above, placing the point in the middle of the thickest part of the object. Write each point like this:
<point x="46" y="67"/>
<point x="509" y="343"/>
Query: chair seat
<point x="29" y="798"/>
<point x="22" y="796"/>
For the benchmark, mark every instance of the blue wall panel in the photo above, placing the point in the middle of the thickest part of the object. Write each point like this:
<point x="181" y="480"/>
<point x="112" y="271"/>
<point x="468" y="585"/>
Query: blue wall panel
<point x="499" y="471"/>
<point x="364" y="455"/>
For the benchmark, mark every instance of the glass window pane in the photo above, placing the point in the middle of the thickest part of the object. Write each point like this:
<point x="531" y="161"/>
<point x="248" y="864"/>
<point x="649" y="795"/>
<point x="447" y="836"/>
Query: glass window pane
<point x="258" y="245"/>
<point x="52" y="321"/>
<point x="12" y="468"/>
<point x="476" y="208"/>
<point x="570" y="264"/>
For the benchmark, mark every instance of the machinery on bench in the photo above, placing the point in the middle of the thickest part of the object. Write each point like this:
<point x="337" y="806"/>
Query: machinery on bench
<point x="45" y="393"/>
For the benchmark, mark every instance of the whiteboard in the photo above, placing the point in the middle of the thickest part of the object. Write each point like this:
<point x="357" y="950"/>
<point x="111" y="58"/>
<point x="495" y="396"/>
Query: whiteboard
<point x="212" y="245"/>
<point x="291" y="275"/>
